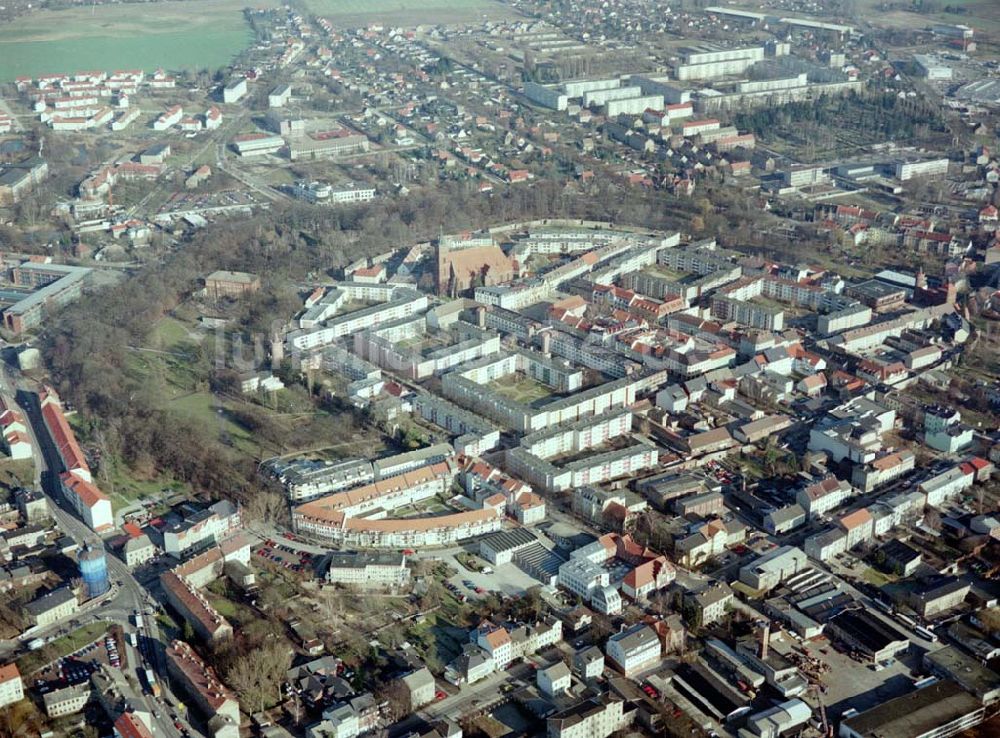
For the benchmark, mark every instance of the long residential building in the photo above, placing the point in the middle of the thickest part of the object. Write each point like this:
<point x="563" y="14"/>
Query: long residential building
<point x="870" y="336"/>
<point x="434" y="530"/>
<point x="383" y="346"/>
<point x="62" y="436"/>
<point x="589" y="469"/>
<point x="75" y="482"/>
<point x="358" y="517"/>
<point x="368" y="569"/>
<point x="595" y="718"/>
<point x="474" y="395"/>
<point x="184" y="597"/>
<point x="307" y="479"/>
<point x="377" y="498"/>
<point x="476" y="435"/>
<point x="213" y="699"/>
<point x="403" y="303"/>
<point x="55" y="286"/>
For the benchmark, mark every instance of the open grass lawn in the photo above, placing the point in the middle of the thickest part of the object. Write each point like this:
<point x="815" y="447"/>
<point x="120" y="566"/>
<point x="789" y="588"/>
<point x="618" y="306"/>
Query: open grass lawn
<point x="203" y="409"/>
<point x="408" y="11"/>
<point x="181" y="34"/>
<point x="874" y="576"/>
<point x="35" y="660"/>
<point x="234" y="612"/>
<point x="121" y="484"/>
<point x="16" y="472"/>
<point x="169" y="333"/>
<point x="661" y="270"/>
<point x="521" y="388"/>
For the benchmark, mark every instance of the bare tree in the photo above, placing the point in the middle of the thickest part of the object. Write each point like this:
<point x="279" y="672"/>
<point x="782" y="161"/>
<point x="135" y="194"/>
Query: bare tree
<point x="267" y="506"/>
<point x="257" y="675"/>
<point x="397" y="698"/>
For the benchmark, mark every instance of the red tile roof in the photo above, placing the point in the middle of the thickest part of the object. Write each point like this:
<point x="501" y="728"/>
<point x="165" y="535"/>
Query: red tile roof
<point x="128" y="725"/>
<point x="856" y="519"/>
<point x="62" y="435"/>
<point x="199" y="675"/>
<point x="329" y="507"/>
<point x="207" y="616"/>
<point x="87" y="492"/>
<point x="8" y="673"/>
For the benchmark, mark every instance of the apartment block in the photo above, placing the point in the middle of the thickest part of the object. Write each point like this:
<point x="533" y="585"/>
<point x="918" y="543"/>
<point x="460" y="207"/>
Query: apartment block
<point x="11" y="686"/>
<point x="634" y="649"/>
<point x="212" y="698"/>
<point x="595" y="718"/>
<point x="368" y="569"/>
<point x="769" y="570"/>
<point x="824" y="495"/>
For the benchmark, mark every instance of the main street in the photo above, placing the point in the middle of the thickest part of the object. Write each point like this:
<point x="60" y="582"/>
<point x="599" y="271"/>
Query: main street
<point x="129" y="595"/>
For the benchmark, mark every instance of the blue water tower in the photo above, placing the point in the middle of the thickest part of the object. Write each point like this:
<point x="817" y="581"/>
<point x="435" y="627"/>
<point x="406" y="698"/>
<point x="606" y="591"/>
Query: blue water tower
<point x="94" y="570"/>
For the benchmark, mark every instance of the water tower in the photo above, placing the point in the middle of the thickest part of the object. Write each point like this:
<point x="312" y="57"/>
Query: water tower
<point x="94" y="571"/>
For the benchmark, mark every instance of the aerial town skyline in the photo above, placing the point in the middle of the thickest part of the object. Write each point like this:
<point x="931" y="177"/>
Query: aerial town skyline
<point x="488" y="369"/>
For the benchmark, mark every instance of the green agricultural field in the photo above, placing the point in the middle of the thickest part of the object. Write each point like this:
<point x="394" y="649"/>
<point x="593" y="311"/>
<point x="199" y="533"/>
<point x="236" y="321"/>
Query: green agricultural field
<point x="187" y="34"/>
<point x="408" y="11"/>
<point x="982" y="15"/>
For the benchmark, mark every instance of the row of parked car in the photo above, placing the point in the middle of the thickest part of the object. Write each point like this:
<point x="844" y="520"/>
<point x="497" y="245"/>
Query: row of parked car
<point x="285" y="556"/>
<point x="112" y="648"/>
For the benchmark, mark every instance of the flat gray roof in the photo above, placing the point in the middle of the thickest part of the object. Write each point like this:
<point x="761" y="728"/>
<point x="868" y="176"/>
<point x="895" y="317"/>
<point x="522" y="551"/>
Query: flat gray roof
<point x="509" y="540"/>
<point x="70" y="275"/>
<point x="915" y="713"/>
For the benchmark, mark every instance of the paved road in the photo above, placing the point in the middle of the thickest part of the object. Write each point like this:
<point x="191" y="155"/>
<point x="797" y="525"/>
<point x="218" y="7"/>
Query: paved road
<point x="468" y="698"/>
<point x="128" y="594"/>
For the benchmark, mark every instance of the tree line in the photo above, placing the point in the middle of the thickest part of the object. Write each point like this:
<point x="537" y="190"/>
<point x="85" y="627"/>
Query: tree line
<point x="871" y="112"/>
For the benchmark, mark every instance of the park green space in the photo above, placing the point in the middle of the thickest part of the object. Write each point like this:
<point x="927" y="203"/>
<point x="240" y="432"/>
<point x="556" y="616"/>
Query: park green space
<point x="521" y="388"/>
<point x="35" y="660"/>
<point x="185" y="34"/>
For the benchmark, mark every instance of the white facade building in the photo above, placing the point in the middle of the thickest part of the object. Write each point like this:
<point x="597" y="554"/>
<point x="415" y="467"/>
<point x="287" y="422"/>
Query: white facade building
<point x="634" y="649"/>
